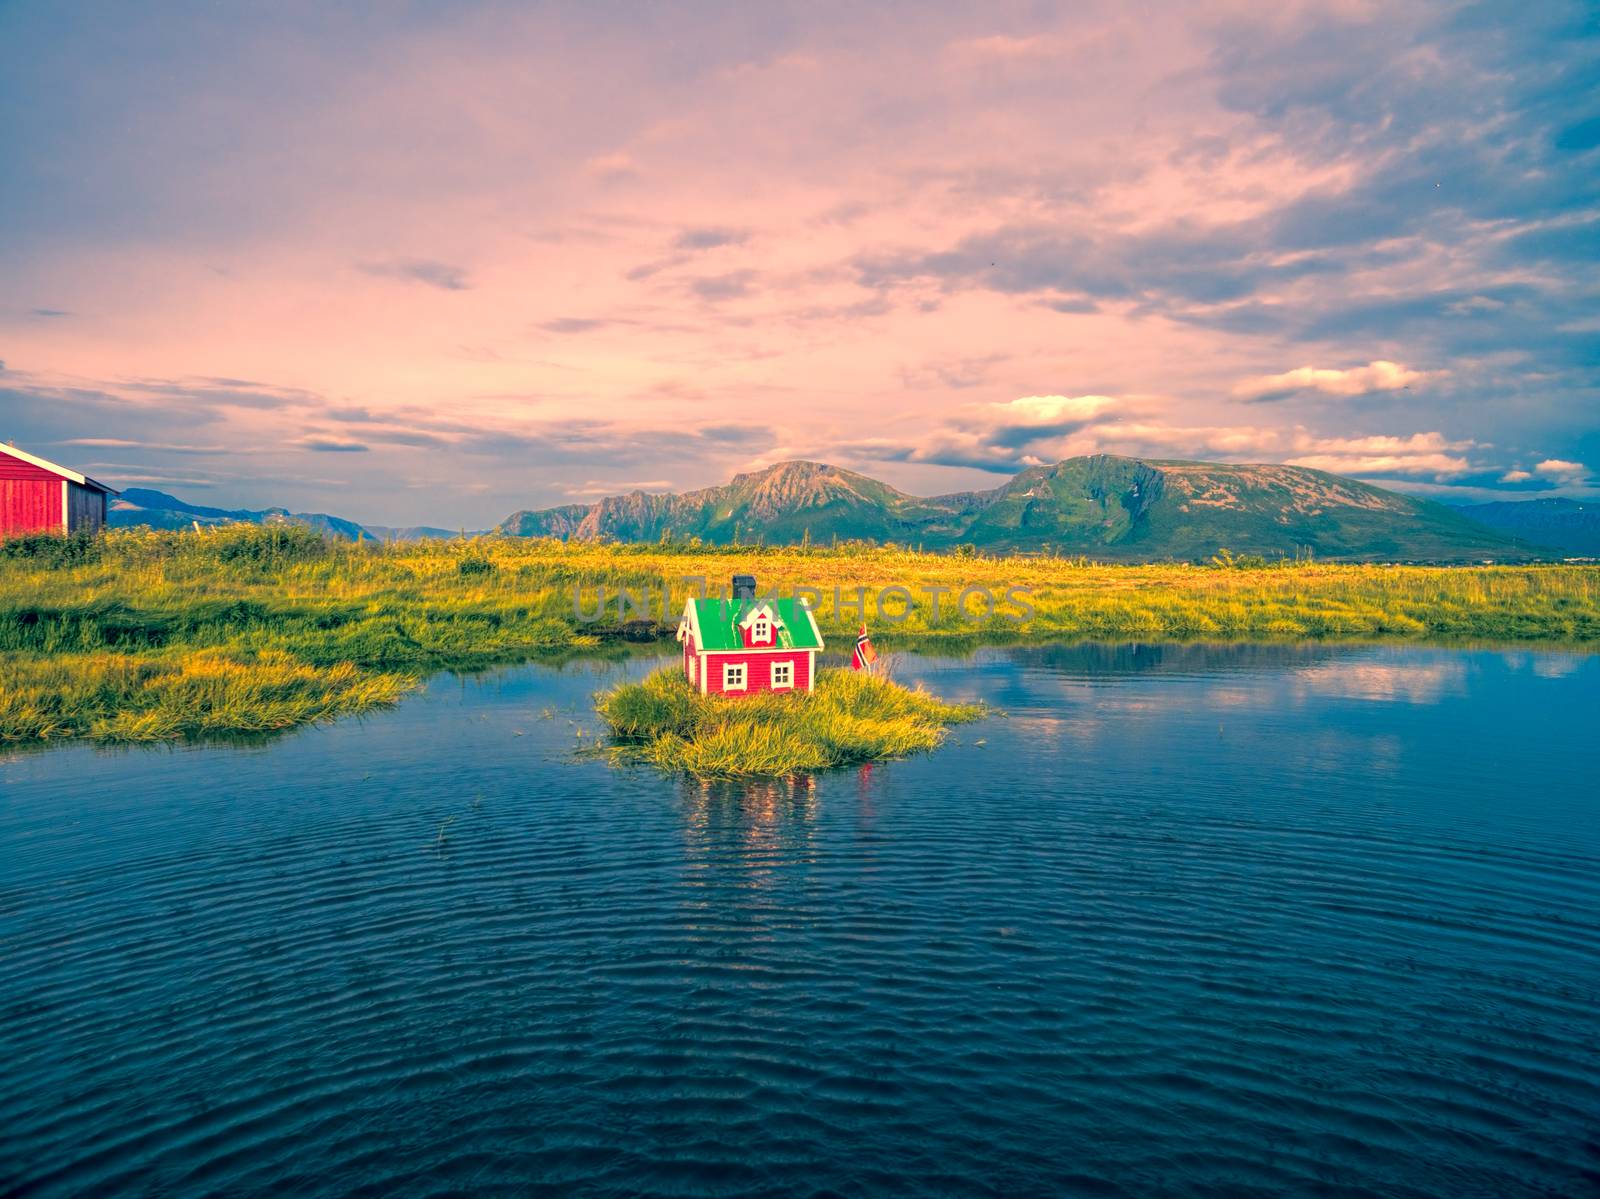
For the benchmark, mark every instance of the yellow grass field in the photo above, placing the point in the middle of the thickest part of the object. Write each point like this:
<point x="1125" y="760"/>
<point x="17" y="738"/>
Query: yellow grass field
<point x="158" y="635"/>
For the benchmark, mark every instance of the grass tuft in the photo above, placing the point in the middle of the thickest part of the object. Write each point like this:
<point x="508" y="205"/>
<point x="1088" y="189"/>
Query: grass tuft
<point x="112" y="697"/>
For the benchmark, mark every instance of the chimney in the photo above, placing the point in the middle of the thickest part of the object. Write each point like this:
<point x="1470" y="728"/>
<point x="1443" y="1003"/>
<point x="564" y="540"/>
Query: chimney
<point x="744" y="587"/>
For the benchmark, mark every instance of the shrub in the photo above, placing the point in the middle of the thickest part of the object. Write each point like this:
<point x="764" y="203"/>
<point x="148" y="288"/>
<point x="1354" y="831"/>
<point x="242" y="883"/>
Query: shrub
<point x="53" y="549"/>
<point x="262" y="545"/>
<point x="1226" y="559"/>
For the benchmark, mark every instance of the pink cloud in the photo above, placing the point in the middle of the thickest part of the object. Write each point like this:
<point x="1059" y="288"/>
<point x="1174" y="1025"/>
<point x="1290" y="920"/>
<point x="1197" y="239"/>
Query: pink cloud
<point x="1380" y="375"/>
<point x="1562" y="470"/>
<point x="1015" y="234"/>
<point x="1428" y="454"/>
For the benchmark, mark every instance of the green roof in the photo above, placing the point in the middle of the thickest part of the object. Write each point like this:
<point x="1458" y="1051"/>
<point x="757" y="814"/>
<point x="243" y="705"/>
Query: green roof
<point x="719" y="623"/>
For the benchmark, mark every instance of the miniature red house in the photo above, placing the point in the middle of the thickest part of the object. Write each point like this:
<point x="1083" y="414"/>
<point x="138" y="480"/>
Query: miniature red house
<point x="745" y="645"/>
<point x="40" y="497"/>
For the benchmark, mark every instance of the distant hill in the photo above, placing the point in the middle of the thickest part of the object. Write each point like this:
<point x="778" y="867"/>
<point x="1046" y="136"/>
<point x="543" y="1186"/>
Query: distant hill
<point x="418" y="533"/>
<point x="1105" y="506"/>
<point x="139" y="506"/>
<point x="562" y="522"/>
<point x="1572" y="526"/>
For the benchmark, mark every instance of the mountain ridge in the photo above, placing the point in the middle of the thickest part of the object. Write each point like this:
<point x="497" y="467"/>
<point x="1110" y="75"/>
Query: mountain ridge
<point x="1571" y="526"/>
<point x="1133" y="509"/>
<point x="142" y="507"/>
<point x="1100" y="506"/>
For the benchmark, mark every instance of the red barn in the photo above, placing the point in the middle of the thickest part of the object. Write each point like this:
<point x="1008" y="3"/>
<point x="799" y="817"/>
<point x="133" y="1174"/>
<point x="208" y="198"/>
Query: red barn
<point x="747" y="645"/>
<point x="40" y="497"/>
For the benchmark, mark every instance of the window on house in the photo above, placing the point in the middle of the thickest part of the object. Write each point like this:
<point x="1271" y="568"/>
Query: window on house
<point x="733" y="676"/>
<point x="783" y="674"/>
<point x="761" y="630"/>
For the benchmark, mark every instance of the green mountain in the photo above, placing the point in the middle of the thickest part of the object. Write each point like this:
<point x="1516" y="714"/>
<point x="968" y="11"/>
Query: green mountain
<point x="559" y="522"/>
<point x="1105" y="506"/>
<point x="780" y="505"/>
<point x="1571" y="526"/>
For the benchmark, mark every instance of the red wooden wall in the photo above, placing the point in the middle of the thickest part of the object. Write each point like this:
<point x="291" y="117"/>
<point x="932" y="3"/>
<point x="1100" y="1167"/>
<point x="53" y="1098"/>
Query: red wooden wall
<point x="758" y="668"/>
<point x="16" y="468"/>
<point x="31" y="501"/>
<point x="746" y="635"/>
<point x="28" y="505"/>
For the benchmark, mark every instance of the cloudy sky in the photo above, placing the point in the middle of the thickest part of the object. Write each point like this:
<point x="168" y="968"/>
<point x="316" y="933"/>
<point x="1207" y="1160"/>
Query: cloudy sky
<point x="432" y="262"/>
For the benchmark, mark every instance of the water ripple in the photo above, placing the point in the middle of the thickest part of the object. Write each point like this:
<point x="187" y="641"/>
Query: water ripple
<point x="1120" y="949"/>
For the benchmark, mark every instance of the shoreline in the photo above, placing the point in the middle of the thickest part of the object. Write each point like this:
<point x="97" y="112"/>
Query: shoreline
<point x="164" y="636"/>
<point x="661" y="651"/>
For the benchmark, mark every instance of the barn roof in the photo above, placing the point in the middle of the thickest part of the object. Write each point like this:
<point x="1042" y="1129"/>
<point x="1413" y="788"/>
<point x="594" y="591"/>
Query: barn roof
<point x="717" y="621"/>
<point x="54" y="468"/>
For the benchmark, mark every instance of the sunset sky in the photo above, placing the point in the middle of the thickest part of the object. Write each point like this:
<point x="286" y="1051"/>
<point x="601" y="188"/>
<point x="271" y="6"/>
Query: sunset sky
<point x="433" y="262"/>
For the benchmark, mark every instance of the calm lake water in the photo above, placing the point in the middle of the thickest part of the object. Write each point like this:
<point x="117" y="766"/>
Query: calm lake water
<point x="1185" y="921"/>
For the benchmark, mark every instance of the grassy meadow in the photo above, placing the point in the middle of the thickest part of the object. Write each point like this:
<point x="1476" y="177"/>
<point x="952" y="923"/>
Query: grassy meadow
<point x="155" y="635"/>
<point x="850" y="718"/>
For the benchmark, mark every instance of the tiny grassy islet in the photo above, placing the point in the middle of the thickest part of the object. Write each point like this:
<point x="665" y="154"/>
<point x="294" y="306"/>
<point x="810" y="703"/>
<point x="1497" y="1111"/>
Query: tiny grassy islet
<point x="112" y="697"/>
<point x="850" y="718"/>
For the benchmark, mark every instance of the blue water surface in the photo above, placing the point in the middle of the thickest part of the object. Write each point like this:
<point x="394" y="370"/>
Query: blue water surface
<point x="1177" y="921"/>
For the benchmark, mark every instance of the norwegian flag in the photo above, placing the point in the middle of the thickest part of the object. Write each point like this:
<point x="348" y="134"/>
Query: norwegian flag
<point x="865" y="655"/>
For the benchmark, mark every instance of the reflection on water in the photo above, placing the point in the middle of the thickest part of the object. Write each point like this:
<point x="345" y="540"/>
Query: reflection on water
<point x="736" y="835"/>
<point x="1177" y="920"/>
<point x="1386" y="682"/>
<point x="754" y="811"/>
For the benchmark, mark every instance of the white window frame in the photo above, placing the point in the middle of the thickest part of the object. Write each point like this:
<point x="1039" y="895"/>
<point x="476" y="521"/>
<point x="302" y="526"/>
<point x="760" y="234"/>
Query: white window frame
<point x="788" y="680"/>
<point x="743" y="670"/>
<point x="761" y="630"/>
